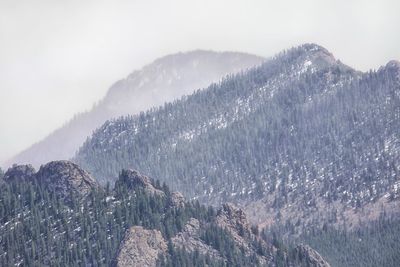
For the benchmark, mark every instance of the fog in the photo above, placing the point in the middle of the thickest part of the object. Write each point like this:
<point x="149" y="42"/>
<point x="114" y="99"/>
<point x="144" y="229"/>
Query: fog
<point x="59" y="57"/>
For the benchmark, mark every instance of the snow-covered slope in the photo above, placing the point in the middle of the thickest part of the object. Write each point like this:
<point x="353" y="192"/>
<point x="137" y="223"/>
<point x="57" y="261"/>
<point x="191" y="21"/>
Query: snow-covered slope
<point x="163" y="80"/>
<point x="303" y="136"/>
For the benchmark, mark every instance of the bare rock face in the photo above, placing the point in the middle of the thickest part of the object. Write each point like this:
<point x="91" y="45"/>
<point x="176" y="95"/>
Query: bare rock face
<point x="65" y="177"/>
<point x="177" y="200"/>
<point x="20" y="173"/>
<point x="189" y="239"/>
<point x="234" y="220"/>
<point x="311" y="256"/>
<point x="134" y="179"/>
<point x="140" y="248"/>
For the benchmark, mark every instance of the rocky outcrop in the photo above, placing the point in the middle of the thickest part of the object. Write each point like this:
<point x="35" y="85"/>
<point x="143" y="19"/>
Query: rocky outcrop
<point x="140" y="248"/>
<point x="312" y="257"/>
<point x="20" y="173"/>
<point x="234" y="220"/>
<point x="65" y="177"/>
<point x="189" y="239"/>
<point x="177" y="200"/>
<point x="134" y="179"/>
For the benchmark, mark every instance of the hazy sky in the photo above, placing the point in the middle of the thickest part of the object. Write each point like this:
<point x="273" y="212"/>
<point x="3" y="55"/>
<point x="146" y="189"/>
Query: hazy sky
<point x="58" y="57"/>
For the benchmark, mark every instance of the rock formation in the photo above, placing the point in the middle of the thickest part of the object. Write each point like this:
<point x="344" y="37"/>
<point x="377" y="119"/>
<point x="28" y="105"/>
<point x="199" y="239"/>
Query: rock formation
<point x="234" y="220"/>
<point x="134" y="179"/>
<point x="65" y="177"/>
<point x="19" y="172"/>
<point x="140" y="248"/>
<point x="177" y="200"/>
<point x="311" y="256"/>
<point x="189" y="239"/>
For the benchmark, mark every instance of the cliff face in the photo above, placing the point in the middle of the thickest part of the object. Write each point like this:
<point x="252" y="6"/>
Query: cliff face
<point x="310" y="255"/>
<point x="140" y="248"/>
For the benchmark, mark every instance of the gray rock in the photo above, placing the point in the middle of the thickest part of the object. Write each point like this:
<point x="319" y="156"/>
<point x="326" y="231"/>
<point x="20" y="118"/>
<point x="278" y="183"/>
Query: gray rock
<point x="311" y="256"/>
<point x="189" y="239"/>
<point x="177" y="200"/>
<point x="65" y="177"/>
<point x="234" y="220"/>
<point x="134" y="179"/>
<point x="140" y="248"/>
<point x="20" y="173"/>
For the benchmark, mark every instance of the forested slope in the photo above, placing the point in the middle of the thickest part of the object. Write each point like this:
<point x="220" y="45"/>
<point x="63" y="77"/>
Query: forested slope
<point x="302" y="137"/>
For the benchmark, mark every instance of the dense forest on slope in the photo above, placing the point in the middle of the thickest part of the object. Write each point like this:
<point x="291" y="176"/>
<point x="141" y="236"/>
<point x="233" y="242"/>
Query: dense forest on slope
<point x="43" y="227"/>
<point x="375" y="244"/>
<point x="303" y="133"/>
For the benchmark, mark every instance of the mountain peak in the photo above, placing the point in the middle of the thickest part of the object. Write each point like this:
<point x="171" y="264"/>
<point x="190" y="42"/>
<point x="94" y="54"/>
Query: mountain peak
<point x="318" y="54"/>
<point x="310" y="56"/>
<point x="313" y="47"/>
<point x="164" y="80"/>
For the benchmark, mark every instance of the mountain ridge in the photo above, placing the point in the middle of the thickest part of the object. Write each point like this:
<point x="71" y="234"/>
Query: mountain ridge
<point x="128" y="225"/>
<point x="163" y="80"/>
<point x="280" y="139"/>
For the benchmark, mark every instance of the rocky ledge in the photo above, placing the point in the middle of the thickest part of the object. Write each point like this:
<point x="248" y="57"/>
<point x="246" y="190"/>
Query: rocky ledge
<point x="311" y="256"/>
<point x="61" y="177"/>
<point x="234" y="220"/>
<point x="134" y="179"/>
<point x="20" y="173"/>
<point x="140" y="248"/>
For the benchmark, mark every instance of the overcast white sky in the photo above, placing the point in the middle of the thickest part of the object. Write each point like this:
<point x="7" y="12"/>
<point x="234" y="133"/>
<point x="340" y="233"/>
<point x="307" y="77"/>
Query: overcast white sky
<point x="59" y="57"/>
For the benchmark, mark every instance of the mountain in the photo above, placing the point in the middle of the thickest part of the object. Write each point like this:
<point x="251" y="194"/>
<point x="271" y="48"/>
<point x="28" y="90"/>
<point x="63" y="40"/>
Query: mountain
<point x="300" y="140"/>
<point x="129" y="225"/>
<point x="163" y="80"/>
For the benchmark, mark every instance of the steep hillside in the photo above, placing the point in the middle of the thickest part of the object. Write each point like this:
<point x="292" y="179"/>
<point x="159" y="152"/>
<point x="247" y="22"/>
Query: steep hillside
<point x="163" y="80"/>
<point x="376" y="244"/>
<point x="138" y="223"/>
<point x="301" y="139"/>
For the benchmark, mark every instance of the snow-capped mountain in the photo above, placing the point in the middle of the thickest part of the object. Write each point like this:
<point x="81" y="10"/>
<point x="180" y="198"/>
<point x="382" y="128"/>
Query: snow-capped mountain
<point x="301" y="138"/>
<point x="163" y="80"/>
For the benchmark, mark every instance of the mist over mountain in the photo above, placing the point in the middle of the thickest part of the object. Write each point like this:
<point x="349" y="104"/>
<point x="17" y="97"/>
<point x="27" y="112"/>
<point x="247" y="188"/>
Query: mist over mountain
<point x="300" y="140"/>
<point x="294" y="162"/>
<point x="163" y="80"/>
